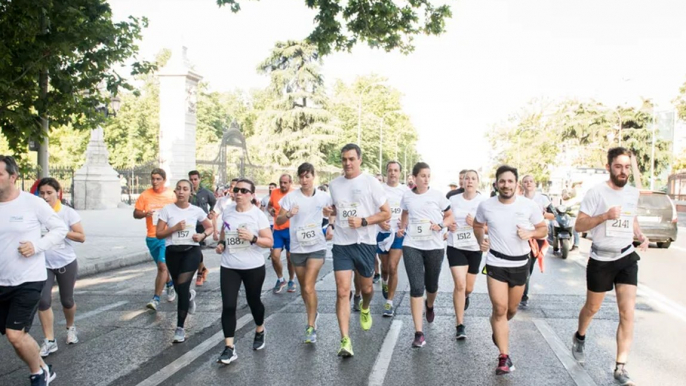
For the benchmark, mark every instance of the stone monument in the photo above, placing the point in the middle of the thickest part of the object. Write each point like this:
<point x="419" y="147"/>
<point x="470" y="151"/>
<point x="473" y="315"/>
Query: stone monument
<point x="178" y="99"/>
<point x="96" y="185"/>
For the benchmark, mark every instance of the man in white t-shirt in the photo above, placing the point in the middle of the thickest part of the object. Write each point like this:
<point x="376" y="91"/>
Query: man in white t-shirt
<point x="512" y="220"/>
<point x="22" y="265"/>
<point x="359" y="203"/>
<point x="608" y="214"/>
<point x="264" y="205"/>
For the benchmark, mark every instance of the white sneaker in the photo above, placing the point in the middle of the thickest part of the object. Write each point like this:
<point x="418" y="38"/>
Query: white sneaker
<point x="192" y="305"/>
<point x="71" y="335"/>
<point x="153" y="304"/>
<point x="48" y="348"/>
<point x="171" y="294"/>
<point x="179" y="335"/>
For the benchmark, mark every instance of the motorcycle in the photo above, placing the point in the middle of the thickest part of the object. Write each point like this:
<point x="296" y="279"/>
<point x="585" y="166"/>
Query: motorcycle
<point x="562" y="227"/>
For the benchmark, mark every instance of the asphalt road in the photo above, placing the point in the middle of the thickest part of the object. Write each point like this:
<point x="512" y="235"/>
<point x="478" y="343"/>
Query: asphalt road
<point x="121" y="343"/>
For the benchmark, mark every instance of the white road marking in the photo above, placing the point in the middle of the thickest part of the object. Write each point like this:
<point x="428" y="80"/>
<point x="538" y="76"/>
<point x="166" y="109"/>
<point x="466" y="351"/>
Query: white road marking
<point x="383" y="360"/>
<point x="563" y="353"/>
<point x="96" y="311"/>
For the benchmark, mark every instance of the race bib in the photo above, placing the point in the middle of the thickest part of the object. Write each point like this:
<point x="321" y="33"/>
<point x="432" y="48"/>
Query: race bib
<point x="346" y="211"/>
<point x="307" y="235"/>
<point x="184" y="237"/>
<point x="234" y="243"/>
<point x="420" y="230"/>
<point x="155" y="217"/>
<point x="396" y="211"/>
<point x="464" y="237"/>
<point x="621" y="227"/>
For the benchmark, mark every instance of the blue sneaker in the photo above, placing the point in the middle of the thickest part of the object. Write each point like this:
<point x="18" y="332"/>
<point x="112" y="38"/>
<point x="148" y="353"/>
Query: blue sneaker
<point x="279" y="286"/>
<point x="291" y="286"/>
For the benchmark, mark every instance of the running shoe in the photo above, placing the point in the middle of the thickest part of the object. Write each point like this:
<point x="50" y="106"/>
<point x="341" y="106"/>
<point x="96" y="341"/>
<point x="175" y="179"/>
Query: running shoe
<point x="71" y="335"/>
<point x="279" y="286"/>
<point x="430" y="314"/>
<point x="384" y="290"/>
<point x="622" y="376"/>
<point x="191" y="305"/>
<point x="578" y="347"/>
<point x="310" y="335"/>
<point x="346" y="349"/>
<point x="258" y="343"/>
<point x="228" y="355"/>
<point x="466" y="303"/>
<point x="461" y="333"/>
<point x="171" y="294"/>
<point x="199" y="279"/>
<point x="419" y="340"/>
<point x="356" y="303"/>
<point x="44" y="378"/>
<point x="388" y="310"/>
<point x="291" y="286"/>
<point x="179" y="335"/>
<point x="505" y="365"/>
<point x="376" y="278"/>
<point x="523" y="304"/>
<point x="365" y="318"/>
<point x="154" y="303"/>
<point x="48" y="347"/>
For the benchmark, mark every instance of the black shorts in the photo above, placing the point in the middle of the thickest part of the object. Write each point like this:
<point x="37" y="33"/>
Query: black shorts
<point x="460" y="257"/>
<point x="513" y="276"/>
<point x="18" y="305"/>
<point x="602" y="276"/>
<point x="357" y="257"/>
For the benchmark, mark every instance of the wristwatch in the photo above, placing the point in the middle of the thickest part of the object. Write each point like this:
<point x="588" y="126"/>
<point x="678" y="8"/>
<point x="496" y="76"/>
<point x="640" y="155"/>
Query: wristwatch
<point x="364" y="222"/>
<point x="254" y="240"/>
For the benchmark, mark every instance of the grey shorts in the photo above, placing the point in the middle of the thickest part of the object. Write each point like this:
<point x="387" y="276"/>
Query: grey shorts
<point x="300" y="259"/>
<point x="359" y="257"/>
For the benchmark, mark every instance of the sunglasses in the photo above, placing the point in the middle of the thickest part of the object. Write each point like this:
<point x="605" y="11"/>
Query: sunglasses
<point x="242" y="190"/>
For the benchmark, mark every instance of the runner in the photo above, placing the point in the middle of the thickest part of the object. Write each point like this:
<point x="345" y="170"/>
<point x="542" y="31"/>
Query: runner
<point x="177" y="227"/>
<point x="148" y="206"/>
<point x="62" y="266"/>
<point x="512" y="220"/>
<point x="264" y="205"/>
<point x="529" y="190"/>
<point x="204" y="199"/>
<point x="458" y="190"/>
<point x="389" y="243"/>
<point x="22" y="265"/>
<point x="359" y="201"/>
<point x="608" y="214"/>
<point x="221" y="205"/>
<point x="303" y="208"/>
<point x="464" y="254"/>
<point x="282" y="237"/>
<point x="426" y="213"/>
<point x="244" y="234"/>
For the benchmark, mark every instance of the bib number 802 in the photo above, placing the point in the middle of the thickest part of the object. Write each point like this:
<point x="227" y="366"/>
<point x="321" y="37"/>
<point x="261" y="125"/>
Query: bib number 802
<point x="350" y="213"/>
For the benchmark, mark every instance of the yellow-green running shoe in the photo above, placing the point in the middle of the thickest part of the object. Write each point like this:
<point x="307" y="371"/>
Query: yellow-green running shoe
<point x="346" y="349"/>
<point x="365" y="318"/>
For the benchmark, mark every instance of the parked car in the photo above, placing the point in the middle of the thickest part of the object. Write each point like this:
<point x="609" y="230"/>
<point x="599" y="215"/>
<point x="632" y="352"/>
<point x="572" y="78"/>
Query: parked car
<point x="657" y="217"/>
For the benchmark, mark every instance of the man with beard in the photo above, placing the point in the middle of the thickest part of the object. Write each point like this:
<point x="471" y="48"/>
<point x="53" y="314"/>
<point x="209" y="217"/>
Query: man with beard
<point x="608" y="214"/>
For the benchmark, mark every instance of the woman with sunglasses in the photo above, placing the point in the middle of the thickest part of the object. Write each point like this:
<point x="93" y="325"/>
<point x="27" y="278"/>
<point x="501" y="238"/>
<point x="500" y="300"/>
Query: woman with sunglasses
<point x="62" y="267"/>
<point x="244" y="235"/>
<point x="176" y="225"/>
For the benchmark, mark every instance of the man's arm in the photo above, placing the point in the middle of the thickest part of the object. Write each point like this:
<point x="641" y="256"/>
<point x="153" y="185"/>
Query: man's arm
<point x="384" y="214"/>
<point x="212" y="200"/>
<point x="585" y="223"/>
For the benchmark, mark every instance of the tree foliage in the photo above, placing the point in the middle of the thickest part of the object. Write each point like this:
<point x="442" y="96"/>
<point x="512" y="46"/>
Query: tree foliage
<point x="385" y="24"/>
<point x="74" y="42"/>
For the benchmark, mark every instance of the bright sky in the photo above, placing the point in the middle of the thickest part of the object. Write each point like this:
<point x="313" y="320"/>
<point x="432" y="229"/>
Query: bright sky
<point x="496" y="56"/>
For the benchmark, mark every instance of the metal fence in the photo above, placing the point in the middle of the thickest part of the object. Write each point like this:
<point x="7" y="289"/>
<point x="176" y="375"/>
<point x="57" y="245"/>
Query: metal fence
<point x="135" y="180"/>
<point x="63" y="174"/>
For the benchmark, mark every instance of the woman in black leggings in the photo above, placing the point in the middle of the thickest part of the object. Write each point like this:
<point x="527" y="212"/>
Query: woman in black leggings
<point x="176" y="225"/>
<point x="244" y="236"/>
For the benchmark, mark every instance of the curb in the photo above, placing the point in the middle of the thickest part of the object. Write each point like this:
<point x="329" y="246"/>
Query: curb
<point x="128" y="260"/>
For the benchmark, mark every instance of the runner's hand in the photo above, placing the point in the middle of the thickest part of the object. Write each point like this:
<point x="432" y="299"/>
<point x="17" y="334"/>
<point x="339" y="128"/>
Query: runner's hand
<point x="401" y="232"/>
<point x="294" y="210"/>
<point x="181" y="225"/>
<point x="523" y="233"/>
<point x="354" y="222"/>
<point x="614" y="213"/>
<point x="245" y="234"/>
<point x="198" y="237"/>
<point x="452" y="227"/>
<point x="210" y="216"/>
<point x="215" y="235"/>
<point x="329" y="233"/>
<point x="644" y="244"/>
<point x="272" y="211"/>
<point x="485" y="245"/>
<point x="470" y="220"/>
<point x="386" y="225"/>
<point x="435" y="227"/>
<point x="26" y="248"/>
<point x="327" y="211"/>
<point x="219" y="249"/>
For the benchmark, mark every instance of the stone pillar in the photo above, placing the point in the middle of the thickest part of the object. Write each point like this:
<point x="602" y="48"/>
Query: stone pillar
<point x="178" y="99"/>
<point x="96" y="185"/>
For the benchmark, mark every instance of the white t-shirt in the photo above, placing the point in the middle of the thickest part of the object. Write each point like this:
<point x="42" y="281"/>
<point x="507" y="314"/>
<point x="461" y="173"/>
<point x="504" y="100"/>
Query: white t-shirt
<point x="222" y="204"/>
<point x="394" y="196"/>
<point x="21" y="220"/>
<point x="60" y="257"/>
<point x="464" y="238"/>
<point x="172" y="215"/>
<point x="360" y="197"/>
<point x="239" y="253"/>
<point x="265" y="209"/>
<point x="306" y="226"/>
<point x="613" y="235"/>
<point x="542" y="201"/>
<point x="502" y="220"/>
<point x="423" y="210"/>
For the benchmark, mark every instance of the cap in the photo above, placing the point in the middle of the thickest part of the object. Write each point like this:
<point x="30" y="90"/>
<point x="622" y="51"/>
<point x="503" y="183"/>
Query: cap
<point x="452" y="184"/>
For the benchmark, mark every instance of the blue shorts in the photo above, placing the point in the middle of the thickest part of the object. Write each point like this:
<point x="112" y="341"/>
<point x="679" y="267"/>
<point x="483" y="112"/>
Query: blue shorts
<point x="357" y="257"/>
<point x="157" y="249"/>
<point x="282" y="238"/>
<point x="397" y="242"/>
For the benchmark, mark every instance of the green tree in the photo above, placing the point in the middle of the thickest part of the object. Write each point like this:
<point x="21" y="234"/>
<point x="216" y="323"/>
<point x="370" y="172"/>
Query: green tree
<point x="339" y="25"/>
<point x="54" y="55"/>
<point x="296" y="127"/>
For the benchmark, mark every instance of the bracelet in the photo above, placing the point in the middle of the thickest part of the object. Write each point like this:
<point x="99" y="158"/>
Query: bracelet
<point x="222" y="242"/>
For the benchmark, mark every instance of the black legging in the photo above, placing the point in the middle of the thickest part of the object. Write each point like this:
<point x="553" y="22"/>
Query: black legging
<point x="182" y="266"/>
<point x="231" y="279"/>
